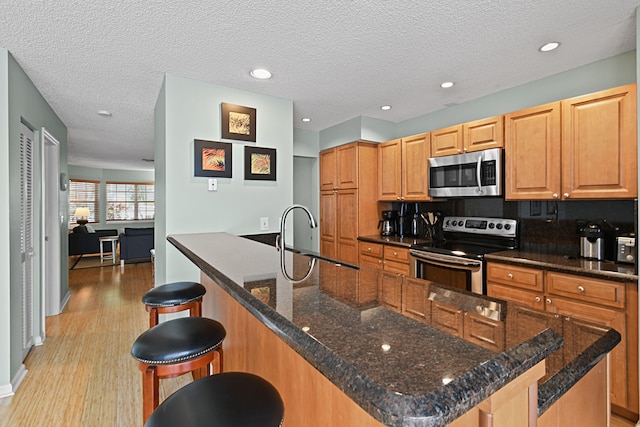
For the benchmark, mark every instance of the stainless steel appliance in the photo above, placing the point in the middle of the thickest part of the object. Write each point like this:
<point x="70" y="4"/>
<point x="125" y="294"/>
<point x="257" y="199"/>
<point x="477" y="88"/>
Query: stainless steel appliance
<point x="626" y="249"/>
<point x="387" y="224"/>
<point x="458" y="259"/>
<point x="467" y="175"/>
<point x="592" y="241"/>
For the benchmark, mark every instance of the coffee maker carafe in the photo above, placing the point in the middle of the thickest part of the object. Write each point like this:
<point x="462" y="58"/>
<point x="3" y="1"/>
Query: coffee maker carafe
<point x="387" y="224"/>
<point x="592" y="242"/>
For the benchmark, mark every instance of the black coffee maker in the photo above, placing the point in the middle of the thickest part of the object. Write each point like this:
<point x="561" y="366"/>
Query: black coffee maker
<point x="388" y="223"/>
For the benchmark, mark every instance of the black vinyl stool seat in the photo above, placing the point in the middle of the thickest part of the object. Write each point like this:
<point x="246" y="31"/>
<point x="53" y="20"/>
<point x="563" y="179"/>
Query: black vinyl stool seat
<point x="173" y="297"/>
<point x="230" y="399"/>
<point x="175" y="347"/>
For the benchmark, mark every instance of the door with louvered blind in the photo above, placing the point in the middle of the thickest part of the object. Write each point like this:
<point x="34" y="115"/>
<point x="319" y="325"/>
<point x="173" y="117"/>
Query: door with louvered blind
<point x="26" y="235"/>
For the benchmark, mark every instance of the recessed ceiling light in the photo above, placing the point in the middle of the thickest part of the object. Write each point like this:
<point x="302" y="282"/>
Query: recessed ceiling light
<point x="446" y="85"/>
<point x="547" y="47"/>
<point x="385" y="107"/>
<point x="261" y="73"/>
<point x="104" y="113"/>
<point x="306" y="119"/>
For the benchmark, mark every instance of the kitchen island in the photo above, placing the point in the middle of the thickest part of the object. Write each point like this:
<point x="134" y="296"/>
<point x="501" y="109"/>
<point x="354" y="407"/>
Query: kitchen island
<point x="316" y="330"/>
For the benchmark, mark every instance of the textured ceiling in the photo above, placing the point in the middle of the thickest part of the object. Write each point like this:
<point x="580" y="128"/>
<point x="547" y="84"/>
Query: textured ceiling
<point x="334" y="59"/>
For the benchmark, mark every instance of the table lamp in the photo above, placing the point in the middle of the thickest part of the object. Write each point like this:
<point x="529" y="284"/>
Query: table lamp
<point x="81" y="215"/>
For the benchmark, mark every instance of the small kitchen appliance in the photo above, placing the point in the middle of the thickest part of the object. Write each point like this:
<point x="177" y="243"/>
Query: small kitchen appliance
<point x="592" y="241"/>
<point x="626" y="249"/>
<point x="475" y="174"/>
<point x="387" y="224"/>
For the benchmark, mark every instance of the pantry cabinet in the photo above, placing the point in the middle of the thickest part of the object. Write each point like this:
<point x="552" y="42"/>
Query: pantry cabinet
<point x="471" y="136"/>
<point x="579" y="148"/>
<point x="348" y="206"/>
<point x="402" y="169"/>
<point x="588" y="302"/>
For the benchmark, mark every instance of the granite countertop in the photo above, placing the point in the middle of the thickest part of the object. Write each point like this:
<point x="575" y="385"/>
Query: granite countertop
<point x="394" y="240"/>
<point x="565" y="260"/>
<point x="389" y="364"/>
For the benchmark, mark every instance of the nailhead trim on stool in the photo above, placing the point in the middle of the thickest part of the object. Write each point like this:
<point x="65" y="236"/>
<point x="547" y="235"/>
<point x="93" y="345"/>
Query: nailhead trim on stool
<point x="231" y="399"/>
<point x="175" y="347"/>
<point x="174" y="297"/>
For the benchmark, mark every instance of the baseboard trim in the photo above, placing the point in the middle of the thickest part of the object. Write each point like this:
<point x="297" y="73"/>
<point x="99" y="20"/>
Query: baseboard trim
<point x="65" y="300"/>
<point x="8" y="390"/>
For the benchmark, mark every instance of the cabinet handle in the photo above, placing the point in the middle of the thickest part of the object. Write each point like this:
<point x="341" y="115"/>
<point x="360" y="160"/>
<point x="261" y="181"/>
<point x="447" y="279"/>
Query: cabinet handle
<point x="538" y="299"/>
<point x="548" y="300"/>
<point x="398" y="198"/>
<point x="369" y="249"/>
<point x="566" y="195"/>
<point x="510" y="276"/>
<point x="464" y="149"/>
<point x="379" y="261"/>
<point x="581" y="288"/>
<point x="555" y="195"/>
<point x="459" y="151"/>
<point x="395" y="254"/>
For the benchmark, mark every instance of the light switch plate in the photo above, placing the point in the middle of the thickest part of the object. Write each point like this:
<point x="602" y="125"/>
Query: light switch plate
<point x="213" y="184"/>
<point x="264" y="223"/>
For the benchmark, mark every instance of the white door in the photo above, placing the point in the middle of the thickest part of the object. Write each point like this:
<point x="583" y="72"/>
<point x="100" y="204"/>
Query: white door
<point x="51" y="222"/>
<point x="26" y="236"/>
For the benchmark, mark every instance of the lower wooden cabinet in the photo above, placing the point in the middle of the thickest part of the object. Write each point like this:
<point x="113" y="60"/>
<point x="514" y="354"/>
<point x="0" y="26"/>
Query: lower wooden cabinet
<point x="587" y="302"/>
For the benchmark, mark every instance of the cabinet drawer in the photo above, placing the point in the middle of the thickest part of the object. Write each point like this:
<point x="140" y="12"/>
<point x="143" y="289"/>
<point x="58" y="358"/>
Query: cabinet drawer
<point x="522" y="277"/>
<point x="371" y="249"/>
<point x="586" y="289"/>
<point x="394" y="253"/>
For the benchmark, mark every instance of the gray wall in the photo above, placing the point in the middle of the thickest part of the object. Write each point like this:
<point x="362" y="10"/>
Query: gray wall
<point x="24" y="103"/>
<point x="111" y="175"/>
<point x="188" y="110"/>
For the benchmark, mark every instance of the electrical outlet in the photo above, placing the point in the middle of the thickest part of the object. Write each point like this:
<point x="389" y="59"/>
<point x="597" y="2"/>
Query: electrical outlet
<point x="213" y="184"/>
<point x="264" y="223"/>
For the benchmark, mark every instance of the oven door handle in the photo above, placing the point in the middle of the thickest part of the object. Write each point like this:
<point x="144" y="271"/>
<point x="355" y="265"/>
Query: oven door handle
<point x="445" y="261"/>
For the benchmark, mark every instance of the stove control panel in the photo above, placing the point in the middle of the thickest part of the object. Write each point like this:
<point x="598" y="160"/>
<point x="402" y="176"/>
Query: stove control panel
<point x="481" y="225"/>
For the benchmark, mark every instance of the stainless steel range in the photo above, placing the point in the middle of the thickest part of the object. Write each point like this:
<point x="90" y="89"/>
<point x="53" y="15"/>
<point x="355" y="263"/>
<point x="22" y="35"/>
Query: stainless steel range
<point x="458" y="259"/>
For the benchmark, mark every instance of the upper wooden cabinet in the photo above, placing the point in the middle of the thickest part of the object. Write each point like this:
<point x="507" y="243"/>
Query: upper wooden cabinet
<point x="472" y="136"/>
<point x="339" y="167"/>
<point x="578" y="148"/>
<point x="402" y="169"/>
<point x="532" y="153"/>
<point x="599" y="145"/>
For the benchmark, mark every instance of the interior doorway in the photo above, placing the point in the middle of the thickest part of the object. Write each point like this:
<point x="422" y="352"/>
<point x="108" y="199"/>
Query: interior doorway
<point x="303" y="194"/>
<point x="51" y="222"/>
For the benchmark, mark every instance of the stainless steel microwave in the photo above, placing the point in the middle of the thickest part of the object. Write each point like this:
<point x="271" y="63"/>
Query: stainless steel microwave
<point x="473" y="174"/>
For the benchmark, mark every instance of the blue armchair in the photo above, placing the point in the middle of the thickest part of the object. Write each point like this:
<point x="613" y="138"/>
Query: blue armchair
<point x="136" y="244"/>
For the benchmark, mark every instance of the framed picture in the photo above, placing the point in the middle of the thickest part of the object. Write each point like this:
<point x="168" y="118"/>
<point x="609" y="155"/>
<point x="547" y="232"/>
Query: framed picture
<point x="212" y="158"/>
<point x="238" y="122"/>
<point x="259" y="163"/>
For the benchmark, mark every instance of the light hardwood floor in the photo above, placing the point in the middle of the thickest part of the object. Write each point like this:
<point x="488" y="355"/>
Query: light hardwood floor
<point x="84" y="375"/>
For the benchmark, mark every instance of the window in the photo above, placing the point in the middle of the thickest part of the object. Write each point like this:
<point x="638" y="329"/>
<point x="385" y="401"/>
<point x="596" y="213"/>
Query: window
<point x="83" y="194"/>
<point x="130" y="201"/>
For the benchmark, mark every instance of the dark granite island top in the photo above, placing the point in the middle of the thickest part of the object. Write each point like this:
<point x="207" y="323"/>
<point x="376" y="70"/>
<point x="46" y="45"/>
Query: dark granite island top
<point x="403" y="372"/>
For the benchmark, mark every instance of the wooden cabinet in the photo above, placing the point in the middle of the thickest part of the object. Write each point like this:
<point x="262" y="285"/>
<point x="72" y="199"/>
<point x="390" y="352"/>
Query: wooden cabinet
<point x="472" y="136"/>
<point x="484" y="332"/>
<point x="397" y="259"/>
<point x="402" y="169"/>
<point x="599" y="145"/>
<point x="532" y="153"/>
<point x="348" y="206"/>
<point x="390" y="290"/>
<point x="579" y="148"/>
<point x="371" y="254"/>
<point x="588" y="302"/>
<point x="415" y="299"/>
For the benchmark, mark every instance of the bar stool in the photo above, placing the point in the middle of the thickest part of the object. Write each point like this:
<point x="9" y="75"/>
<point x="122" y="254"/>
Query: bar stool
<point x="175" y="347"/>
<point x="174" y="297"/>
<point x="231" y="399"/>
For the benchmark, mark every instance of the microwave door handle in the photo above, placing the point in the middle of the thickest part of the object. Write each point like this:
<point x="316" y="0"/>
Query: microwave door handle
<point x="478" y="174"/>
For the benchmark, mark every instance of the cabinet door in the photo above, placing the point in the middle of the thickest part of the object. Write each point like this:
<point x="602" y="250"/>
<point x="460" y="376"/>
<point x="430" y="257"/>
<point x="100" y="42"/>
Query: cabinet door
<point x="512" y="275"/>
<point x="485" y="332"/>
<point x="328" y="170"/>
<point x="446" y="141"/>
<point x="608" y="317"/>
<point x="389" y="170"/>
<point x="389" y="290"/>
<point x="599" y="145"/>
<point x="483" y="134"/>
<point x="415" y="152"/>
<point x="347" y="225"/>
<point x="347" y="166"/>
<point x="530" y="299"/>
<point x="532" y="153"/>
<point x="447" y="318"/>
<point x="328" y="236"/>
<point x="415" y="302"/>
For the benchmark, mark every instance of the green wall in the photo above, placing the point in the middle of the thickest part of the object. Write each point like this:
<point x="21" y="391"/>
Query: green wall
<point x="111" y="175"/>
<point x="25" y="104"/>
<point x="188" y="110"/>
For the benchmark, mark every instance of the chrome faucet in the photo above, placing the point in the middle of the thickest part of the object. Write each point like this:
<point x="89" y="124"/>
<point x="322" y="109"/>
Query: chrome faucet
<point x="280" y="244"/>
<point x="282" y="247"/>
